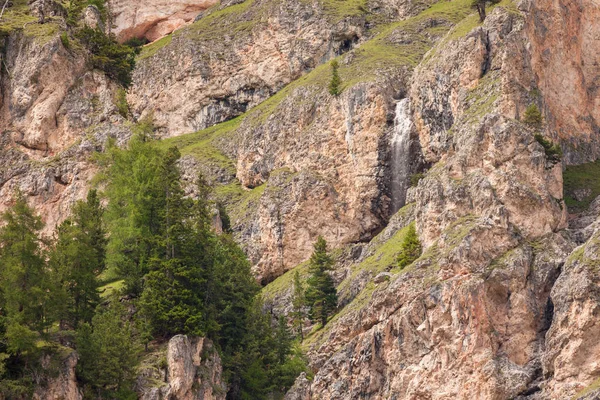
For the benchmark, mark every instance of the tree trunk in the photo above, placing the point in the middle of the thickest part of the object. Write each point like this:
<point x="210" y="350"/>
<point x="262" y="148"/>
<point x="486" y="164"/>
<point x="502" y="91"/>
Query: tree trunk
<point x="481" y="10"/>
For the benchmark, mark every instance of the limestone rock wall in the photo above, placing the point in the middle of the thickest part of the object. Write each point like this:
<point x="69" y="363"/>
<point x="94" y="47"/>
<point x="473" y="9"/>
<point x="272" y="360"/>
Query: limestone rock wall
<point x="485" y="312"/>
<point x="323" y="167"/>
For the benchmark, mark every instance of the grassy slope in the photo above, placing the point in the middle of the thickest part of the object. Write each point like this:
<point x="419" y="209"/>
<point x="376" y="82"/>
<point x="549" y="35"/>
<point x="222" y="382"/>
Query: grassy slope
<point x="18" y="18"/>
<point x="578" y="177"/>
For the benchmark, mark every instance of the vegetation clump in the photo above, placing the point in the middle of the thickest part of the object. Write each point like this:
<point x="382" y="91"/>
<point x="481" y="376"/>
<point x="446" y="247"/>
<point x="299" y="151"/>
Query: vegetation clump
<point x="533" y="116"/>
<point x="416" y="178"/>
<point x="116" y="60"/>
<point x="121" y="102"/>
<point x="410" y="248"/>
<point x="553" y="150"/>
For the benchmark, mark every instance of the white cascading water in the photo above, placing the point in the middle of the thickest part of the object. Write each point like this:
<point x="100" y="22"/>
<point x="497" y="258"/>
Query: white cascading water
<point x="400" y="161"/>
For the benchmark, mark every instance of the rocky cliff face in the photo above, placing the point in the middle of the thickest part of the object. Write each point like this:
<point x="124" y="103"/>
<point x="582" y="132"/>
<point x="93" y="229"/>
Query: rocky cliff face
<point x="232" y="59"/>
<point x="55" y="112"/>
<point x="502" y="304"/>
<point x="565" y="56"/>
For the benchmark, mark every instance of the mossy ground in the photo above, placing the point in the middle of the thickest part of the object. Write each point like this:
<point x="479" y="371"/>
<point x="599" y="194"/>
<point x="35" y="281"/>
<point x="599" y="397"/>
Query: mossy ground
<point x="579" y="178"/>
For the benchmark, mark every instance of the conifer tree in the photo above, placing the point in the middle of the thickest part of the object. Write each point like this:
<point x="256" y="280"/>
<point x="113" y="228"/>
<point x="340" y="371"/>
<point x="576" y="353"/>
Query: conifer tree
<point x="78" y="257"/>
<point x="136" y="204"/>
<point x="283" y="340"/>
<point x="336" y="81"/>
<point x="172" y="298"/>
<point x="298" y="306"/>
<point x="410" y="248"/>
<point x="321" y="295"/>
<point x="24" y="284"/>
<point x="108" y="352"/>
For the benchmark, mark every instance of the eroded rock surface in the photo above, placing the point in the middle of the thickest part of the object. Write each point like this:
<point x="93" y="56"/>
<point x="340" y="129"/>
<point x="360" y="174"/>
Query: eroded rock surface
<point x="565" y="49"/>
<point x="62" y="385"/>
<point x="54" y="113"/>
<point x="483" y="313"/>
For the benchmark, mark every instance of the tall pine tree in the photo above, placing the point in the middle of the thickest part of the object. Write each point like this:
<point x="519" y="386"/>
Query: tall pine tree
<point x="136" y="203"/>
<point x="172" y="298"/>
<point x="321" y="295"/>
<point x="78" y="257"/>
<point x="25" y="283"/>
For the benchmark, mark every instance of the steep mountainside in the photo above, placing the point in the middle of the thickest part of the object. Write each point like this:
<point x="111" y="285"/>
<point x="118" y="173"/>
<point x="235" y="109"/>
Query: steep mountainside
<point x="482" y="135"/>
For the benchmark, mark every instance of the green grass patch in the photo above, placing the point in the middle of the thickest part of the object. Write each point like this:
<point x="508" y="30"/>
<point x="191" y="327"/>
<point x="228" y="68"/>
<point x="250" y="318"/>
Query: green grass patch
<point x="581" y="179"/>
<point x="248" y="204"/>
<point x="114" y="287"/>
<point x="18" y="18"/>
<point x="201" y="144"/>
<point x="285" y="282"/>
<point x="233" y="21"/>
<point x="337" y="10"/>
<point x="152" y="48"/>
<point x="384" y="258"/>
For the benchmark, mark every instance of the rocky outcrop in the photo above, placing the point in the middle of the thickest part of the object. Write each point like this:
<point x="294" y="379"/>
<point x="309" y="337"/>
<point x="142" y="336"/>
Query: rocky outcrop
<point x="152" y="19"/>
<point x="572" y="347"/>
<point x="191" y="371"/>
<point x="61" y="385"/>
<point x="342" y="201"/>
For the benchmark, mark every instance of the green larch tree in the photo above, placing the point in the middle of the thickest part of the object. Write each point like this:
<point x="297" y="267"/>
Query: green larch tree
<point x="25" y="285"/>
<point x="410" y="249"/>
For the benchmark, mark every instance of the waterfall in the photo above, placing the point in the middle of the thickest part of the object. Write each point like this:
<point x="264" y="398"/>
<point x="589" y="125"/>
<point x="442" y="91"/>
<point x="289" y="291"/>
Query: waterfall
<point x="400" y="154"/>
